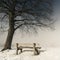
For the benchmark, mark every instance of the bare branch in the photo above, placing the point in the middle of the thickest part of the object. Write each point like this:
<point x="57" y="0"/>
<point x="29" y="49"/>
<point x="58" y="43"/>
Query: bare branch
<point x="41" y="9"/>
<point x="24" y="20"/>
<point x="18" y="27"/>
<point x="3" y="17"/>
<point x="33" y="24"/>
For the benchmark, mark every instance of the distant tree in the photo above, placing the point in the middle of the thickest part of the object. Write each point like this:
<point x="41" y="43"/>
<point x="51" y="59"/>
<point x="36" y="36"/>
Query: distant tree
<point x="24" y="13"/>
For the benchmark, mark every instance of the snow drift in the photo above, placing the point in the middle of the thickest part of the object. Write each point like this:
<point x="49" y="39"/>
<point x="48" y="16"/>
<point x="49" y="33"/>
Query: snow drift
<point x="48" y="54"/>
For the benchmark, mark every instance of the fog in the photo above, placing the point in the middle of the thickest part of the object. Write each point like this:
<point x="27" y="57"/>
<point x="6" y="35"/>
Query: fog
<point x="46" y="38"/>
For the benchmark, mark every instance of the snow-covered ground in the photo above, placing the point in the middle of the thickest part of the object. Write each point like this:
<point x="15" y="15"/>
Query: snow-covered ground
<point x="48" y="54"/>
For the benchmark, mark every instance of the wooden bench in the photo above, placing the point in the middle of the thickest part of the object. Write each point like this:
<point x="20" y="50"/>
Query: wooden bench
<point x="33" y="46"/>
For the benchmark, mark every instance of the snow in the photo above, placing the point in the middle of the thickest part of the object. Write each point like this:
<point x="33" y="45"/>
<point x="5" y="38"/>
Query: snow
<point x="48" y="54"/>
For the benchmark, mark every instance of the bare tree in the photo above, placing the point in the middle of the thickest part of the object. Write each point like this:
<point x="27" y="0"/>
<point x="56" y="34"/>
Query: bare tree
<point x="25" y="13"/>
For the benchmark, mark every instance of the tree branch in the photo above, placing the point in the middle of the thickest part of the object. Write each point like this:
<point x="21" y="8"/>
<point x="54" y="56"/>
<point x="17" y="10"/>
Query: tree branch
<point x="3" y="17"/>
<point x="23" y="20"/>
<point x="36" y="24"/>
<point x="18" y="27"/>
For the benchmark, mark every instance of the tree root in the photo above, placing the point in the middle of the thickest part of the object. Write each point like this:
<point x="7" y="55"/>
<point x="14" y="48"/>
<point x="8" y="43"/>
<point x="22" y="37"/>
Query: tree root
<point x="5" y="49"/>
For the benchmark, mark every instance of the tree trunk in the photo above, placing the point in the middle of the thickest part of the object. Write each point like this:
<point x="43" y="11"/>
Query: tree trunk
<point x="10" y="33"/>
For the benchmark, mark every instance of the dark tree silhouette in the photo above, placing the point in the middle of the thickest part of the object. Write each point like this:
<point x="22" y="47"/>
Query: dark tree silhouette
<point x="25" y="13"/>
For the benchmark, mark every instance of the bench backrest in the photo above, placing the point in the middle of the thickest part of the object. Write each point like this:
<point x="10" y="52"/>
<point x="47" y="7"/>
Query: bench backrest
<point x="28" y="44"/>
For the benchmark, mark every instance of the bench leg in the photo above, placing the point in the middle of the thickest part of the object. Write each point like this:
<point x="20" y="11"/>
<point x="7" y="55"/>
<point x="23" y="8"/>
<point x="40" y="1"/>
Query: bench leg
<point x="17" y="49"/>
<point x="17" y="52"/>
<point x="21" y="50"/>
<point x="36" y="52"/>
